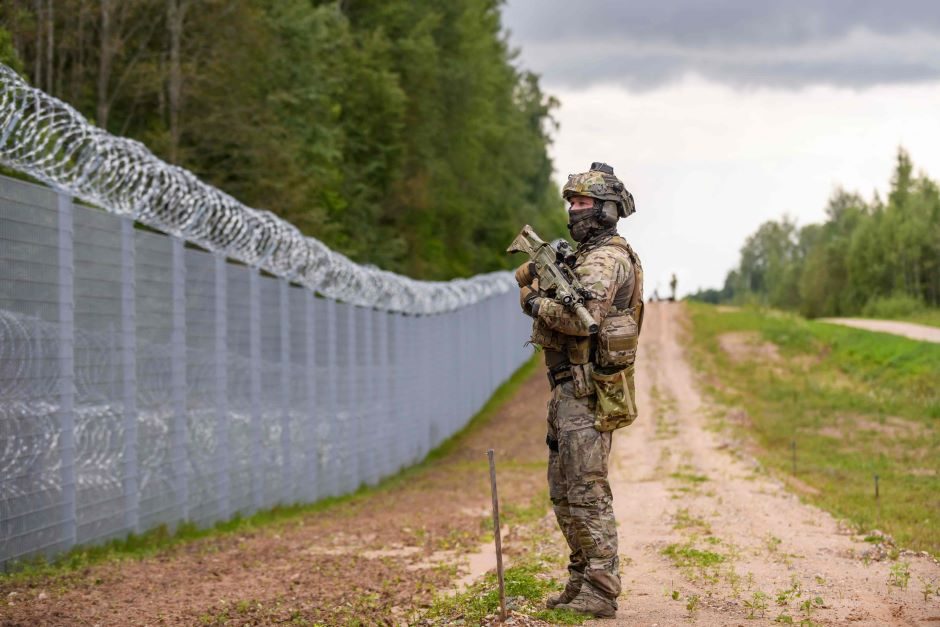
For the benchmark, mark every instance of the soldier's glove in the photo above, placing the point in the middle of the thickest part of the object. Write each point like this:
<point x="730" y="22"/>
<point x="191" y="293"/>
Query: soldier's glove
<point x="525" y="274"/>
<point x="529" y="299"/>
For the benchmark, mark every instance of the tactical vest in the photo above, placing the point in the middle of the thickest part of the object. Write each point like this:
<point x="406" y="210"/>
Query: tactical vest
<point x="614" y="351"/>
<point x="619" y="332"/>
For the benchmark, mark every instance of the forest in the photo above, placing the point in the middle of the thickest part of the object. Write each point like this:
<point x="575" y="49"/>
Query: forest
<point x="399" y="132"/>
<point x="878" y="257"/>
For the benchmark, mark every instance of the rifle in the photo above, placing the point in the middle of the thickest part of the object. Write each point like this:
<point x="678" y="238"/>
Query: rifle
<point x="554" y="273"/>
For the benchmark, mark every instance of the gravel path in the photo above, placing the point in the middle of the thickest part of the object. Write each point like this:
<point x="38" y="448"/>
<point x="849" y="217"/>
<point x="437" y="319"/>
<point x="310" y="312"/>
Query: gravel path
<point x="675" y="482"/>
<point x="920" y="332"/>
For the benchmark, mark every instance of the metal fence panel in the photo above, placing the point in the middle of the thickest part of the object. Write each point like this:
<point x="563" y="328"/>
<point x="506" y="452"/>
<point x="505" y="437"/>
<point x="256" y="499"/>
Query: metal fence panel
<point x="99" y="376"/>
<point x="202" y="371"/>
<point x="144" y="383"/>
<point x="238" y="392"/>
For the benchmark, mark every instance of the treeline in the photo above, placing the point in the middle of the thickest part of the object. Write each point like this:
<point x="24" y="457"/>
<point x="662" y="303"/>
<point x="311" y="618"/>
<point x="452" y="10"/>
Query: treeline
<point x="397" y="131"/>
<point x="878" y="257"/>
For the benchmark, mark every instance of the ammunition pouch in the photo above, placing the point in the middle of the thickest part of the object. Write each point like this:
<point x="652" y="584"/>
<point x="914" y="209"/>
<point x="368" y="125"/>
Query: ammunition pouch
<point x="557" y="378"/>
<point x="546" y="337"/>
<point x="616" y="393"/>
<point x="579" y="349"/>
<point x="581" y="375"/>
<point x="617" y="339"/>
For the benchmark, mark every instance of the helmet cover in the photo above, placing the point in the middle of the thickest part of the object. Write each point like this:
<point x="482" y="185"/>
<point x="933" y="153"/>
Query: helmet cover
<point x="600" y="183"/>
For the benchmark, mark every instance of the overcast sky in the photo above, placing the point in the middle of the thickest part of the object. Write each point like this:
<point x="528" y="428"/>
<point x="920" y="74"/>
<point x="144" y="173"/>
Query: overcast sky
<point x="721" y="115"/>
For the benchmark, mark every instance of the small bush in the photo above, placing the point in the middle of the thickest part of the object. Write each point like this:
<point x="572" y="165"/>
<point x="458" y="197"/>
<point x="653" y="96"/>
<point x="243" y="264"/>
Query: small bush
<point x="890" y="307"/>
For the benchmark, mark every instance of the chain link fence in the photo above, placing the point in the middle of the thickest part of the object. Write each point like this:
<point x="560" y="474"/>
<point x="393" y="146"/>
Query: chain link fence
<point x="146" y="381"/>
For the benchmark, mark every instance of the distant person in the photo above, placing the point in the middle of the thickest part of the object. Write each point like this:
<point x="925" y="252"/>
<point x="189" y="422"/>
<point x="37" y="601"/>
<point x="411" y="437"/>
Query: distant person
<point x="672" y="287"/>
<point x="591" y="376"/>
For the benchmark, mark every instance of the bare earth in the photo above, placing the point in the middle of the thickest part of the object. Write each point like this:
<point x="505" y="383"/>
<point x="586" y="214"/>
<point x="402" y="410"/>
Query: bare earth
<point x="378" y="558"/>
<point x="920" y="332"/>
<point x="669" y="461"/>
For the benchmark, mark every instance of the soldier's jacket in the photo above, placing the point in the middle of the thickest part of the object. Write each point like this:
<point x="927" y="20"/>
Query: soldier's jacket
<point x="604" y="269"/>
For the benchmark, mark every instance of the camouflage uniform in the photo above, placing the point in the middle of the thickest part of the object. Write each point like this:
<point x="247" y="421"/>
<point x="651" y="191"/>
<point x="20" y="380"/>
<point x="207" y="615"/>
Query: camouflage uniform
<point x="577" y="465"/>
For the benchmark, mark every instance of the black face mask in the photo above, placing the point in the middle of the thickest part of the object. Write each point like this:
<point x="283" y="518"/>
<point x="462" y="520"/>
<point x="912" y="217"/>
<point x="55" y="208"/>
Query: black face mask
<point x="582" y="224"/>
<point x="582" y="227"/>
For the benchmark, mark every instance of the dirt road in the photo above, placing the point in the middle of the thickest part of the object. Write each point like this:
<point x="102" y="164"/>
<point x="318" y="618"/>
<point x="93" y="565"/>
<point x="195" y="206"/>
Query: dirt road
<point x="920" y="332"/>
<point x="752" y="551"/>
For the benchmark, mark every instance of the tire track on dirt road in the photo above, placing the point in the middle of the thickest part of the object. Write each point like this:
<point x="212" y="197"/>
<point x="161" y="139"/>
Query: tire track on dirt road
<point x="744" y="550"/>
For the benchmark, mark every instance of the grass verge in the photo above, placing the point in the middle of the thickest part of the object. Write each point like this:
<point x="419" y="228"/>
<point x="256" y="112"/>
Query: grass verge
<point x="527" y="585"/>
<point x="161" y="539"/>
<point x="838" y="406"/>
<point x="930" y="317"/>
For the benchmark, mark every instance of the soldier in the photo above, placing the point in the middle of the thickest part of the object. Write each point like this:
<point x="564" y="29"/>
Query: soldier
<point x="579" y="364"/>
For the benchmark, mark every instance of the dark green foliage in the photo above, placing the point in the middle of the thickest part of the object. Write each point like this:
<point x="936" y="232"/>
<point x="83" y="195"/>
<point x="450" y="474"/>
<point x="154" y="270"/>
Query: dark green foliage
<point x="398" y="132"/>
<point x="876" y="258"/>
<point x="8" y="54"/>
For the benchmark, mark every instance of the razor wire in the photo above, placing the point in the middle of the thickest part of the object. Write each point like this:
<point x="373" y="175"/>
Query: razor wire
<point x="49" y="140"/>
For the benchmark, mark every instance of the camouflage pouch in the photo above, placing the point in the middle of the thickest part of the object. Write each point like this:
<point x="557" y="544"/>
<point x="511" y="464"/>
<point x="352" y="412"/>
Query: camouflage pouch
<point x="545" y="337"/>
<point x="617" y="341"/>
<point x="581" y="377"/>
<point x="616" y="392"/>
<point x="579" y="349"/>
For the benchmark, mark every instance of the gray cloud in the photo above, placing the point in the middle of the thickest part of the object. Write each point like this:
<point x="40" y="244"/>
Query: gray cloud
<point x="742" y="42"/>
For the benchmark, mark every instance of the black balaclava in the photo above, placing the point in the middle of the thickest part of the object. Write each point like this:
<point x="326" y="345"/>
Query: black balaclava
<point x="589" y="224"/>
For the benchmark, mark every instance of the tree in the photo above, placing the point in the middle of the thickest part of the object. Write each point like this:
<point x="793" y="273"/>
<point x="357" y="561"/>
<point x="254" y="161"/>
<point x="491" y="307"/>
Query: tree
<point x="399" y="132"/>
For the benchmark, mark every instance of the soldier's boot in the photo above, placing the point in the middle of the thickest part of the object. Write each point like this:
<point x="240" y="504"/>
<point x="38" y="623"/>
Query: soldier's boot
<point x="567" y="595"/>
<point x="589" y="602"/>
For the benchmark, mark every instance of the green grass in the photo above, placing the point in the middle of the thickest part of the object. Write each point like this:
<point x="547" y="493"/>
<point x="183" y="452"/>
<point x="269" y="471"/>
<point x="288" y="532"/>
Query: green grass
<point x="855" y="403"/>
<point x="902" y="307"/>
<point x="162" y="538"/>
<point x="930" y="317"/>
<point x="687" y="556"/>
<point x="526" y="588"/>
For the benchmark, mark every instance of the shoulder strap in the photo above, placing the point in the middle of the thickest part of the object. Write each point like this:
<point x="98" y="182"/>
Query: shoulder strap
<point x="636" y="298"/>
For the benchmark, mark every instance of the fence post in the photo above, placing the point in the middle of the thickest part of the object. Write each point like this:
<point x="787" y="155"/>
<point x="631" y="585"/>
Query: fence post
<point x="288" y="494"/>
<point x="332" y="460"/>
<point x="464" y="364"/>
<point x="400" y="435"/>
<point x="223" y="454"/>
<point x="178" y="431"/>
<point x="66" y="414"/>
<point x="364" y="373"/>
<point x="351" y="430"/>
<point x="128" y="365"/>
<point x="382" y="403"/>
<point x="311" y="442"/>
<point x="258" y="459"/>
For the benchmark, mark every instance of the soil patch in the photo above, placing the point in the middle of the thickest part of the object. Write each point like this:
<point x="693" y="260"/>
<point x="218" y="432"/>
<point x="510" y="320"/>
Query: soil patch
<point x="743" y="346"/>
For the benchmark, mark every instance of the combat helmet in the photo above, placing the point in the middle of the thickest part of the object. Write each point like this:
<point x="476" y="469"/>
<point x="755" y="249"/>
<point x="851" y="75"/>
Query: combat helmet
<point x="611" y="199"/>
<point x="600" y="184"/>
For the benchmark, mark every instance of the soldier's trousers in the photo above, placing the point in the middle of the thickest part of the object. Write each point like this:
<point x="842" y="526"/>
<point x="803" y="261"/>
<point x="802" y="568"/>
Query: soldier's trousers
<point x="580" y="492"/>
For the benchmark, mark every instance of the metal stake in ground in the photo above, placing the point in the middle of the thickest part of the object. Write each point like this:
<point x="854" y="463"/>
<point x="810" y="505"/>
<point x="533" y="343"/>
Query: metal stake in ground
<point x="496" y="535"/>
